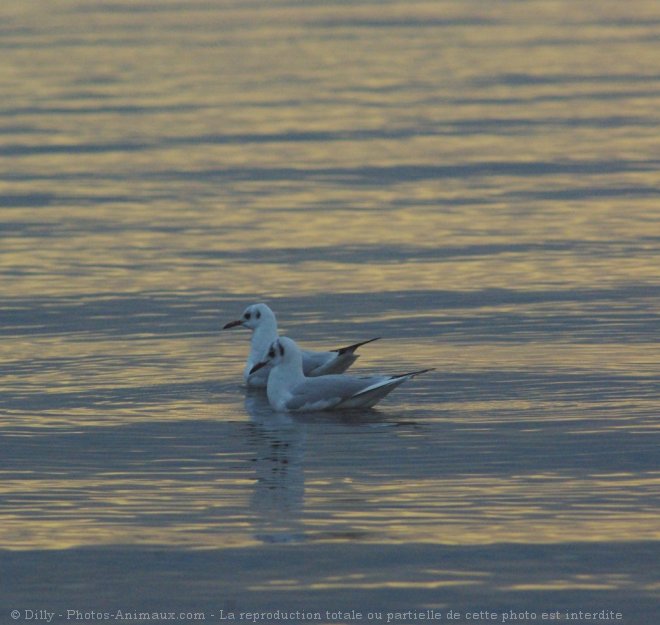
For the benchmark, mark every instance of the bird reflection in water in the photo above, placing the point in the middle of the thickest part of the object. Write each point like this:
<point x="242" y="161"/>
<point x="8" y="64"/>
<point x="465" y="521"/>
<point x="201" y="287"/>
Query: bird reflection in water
<point x="279" y="447"/>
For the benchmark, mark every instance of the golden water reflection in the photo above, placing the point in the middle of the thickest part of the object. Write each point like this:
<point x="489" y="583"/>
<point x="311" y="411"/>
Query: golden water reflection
<point x="471" y="510"/>
<point x="475" y="184"/>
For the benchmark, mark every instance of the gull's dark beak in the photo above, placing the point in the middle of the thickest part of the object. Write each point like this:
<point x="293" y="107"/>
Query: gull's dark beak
<point x="258" y="366"/>
<point x="232" y="324"/>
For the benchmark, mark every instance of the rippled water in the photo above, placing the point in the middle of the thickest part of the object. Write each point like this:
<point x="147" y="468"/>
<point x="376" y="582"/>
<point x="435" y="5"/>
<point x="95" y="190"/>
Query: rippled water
<point x="475" y="182"/>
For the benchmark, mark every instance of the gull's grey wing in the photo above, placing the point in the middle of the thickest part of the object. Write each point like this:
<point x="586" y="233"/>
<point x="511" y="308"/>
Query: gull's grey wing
<point x="373" y="393"/>
<point x="344" y="391"/>
<point x="313" y="361"/>
<point x="335" y="361"/>
<point x="329" y="391"/>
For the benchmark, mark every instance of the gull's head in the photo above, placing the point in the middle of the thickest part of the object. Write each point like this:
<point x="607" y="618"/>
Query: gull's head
<point x="281" y="350"/>
<point x="253" y="317"/>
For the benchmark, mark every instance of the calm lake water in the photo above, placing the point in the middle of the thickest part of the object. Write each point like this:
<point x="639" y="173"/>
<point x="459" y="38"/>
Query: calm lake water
<point x="476" y="182"/>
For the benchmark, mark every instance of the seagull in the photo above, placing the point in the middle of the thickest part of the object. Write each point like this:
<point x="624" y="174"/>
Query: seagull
<point x="261" y="320"/>
<point x="289" y="389"/>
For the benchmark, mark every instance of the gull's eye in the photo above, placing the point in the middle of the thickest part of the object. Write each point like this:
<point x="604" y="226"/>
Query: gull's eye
<point x="247" y="315"/>
<point x="271" y="353"/>
<point x="258" y="315"/>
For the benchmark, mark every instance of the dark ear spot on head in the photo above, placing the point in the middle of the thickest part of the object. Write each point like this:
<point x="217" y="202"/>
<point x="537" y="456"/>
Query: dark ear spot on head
<point x="281" y="349"/>
<point x="258" y="315"/>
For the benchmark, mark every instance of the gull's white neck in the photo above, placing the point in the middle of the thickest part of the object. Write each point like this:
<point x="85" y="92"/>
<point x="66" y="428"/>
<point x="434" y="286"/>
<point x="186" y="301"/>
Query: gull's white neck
<point x="261" y="340"/>
<point x="283" y="378"/>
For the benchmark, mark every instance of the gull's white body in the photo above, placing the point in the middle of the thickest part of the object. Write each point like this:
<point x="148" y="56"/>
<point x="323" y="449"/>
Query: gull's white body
<point x="289" y="389"/>
<point x="262" y="321"/>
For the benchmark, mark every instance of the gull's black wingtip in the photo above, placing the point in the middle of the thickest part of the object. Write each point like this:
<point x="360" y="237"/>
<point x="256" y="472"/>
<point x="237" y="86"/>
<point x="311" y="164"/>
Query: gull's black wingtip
<point x="352" y="348"/>
<point x="412" y="374"/>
